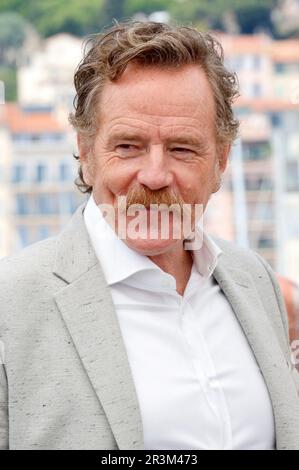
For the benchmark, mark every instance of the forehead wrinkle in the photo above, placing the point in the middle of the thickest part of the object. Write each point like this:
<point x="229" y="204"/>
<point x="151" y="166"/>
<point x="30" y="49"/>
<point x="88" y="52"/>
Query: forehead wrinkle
<point x="196" y="105"/>
<point x="161" y="132"/>
<point x="130" y="96"/>
<point x="155" y="121"/>
<point x="123" y="128"/>
<point x="165" y="111"/>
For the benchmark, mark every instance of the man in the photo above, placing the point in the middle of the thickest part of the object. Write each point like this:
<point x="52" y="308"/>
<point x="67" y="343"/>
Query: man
<point x="116" y="336"/>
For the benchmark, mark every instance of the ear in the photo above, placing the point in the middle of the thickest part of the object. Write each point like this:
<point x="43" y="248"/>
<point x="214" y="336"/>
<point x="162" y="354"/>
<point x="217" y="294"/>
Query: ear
<point x="223" y="157"/>
<point x="220" y="166"/>
<point x="82" y="147"/>
<point x="85" y="157"/>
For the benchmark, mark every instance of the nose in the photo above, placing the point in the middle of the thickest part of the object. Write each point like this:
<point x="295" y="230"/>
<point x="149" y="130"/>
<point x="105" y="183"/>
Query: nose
<point x="155" y="172"/>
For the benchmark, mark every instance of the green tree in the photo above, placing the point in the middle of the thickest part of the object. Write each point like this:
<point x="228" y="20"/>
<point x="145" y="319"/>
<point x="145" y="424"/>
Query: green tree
<point x="145" y="6"/>
<point x="52" y="16"/>
<point x="250" y="13"/>
<point x="86" y="16"/>
<point x="8" y="76"/>
<point x="252" y="18"/>
<point x="114" y="9"/>
<point x="13" y="30"/>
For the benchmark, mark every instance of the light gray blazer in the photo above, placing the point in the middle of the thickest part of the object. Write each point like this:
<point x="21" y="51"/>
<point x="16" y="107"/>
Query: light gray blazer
<point x="66" y="382"/>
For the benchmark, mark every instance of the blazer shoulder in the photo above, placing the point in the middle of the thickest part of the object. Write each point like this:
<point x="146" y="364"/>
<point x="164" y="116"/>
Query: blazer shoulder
<point x="265" y="282"/>
<point x="246" y="259"/>
<point x="34" y="257"/>
<point x="27" y="271"/>
<point x="238" y="256"/>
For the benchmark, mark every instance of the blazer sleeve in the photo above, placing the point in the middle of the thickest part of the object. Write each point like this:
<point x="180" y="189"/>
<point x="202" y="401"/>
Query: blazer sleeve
<point x="284" y="318"/>
<point x="3" y="409"/>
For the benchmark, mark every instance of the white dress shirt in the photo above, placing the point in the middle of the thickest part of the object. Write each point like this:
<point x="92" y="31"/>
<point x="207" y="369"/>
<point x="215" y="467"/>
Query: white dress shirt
<point x="197" y="381"/>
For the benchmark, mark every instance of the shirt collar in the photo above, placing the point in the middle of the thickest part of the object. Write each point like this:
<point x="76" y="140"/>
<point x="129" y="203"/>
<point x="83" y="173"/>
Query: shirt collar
<point x="119" y="262"/>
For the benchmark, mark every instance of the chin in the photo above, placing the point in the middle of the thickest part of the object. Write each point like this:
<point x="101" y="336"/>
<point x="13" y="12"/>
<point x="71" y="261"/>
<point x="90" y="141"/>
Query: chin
<point x="151" y="247"/>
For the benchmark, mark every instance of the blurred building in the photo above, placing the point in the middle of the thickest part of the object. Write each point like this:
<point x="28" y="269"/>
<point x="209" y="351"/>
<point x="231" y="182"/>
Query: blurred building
<point x="37" y="192"/>
<point x="46" y="76"/>
<point x="266" y="186"/>
<point x="266" y="68"/>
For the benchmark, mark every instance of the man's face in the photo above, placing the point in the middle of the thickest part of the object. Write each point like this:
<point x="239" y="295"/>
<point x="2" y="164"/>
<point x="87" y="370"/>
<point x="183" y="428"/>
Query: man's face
<point x="156" y="134"/>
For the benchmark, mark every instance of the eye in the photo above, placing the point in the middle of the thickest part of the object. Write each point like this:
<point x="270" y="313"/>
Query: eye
<point x="182" y="152"/>
<point x="125" y="146"/>
<point x="127" y="150"/>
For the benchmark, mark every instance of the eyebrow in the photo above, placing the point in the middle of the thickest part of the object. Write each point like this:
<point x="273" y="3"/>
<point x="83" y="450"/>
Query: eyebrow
<point x="187" y="140"/>
<point x="183" y="140"/>
<point x="125" y="136"/>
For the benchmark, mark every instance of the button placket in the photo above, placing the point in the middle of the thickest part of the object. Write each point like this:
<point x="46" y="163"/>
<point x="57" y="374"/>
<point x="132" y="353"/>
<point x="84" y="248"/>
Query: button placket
<point x="203" y="363"/>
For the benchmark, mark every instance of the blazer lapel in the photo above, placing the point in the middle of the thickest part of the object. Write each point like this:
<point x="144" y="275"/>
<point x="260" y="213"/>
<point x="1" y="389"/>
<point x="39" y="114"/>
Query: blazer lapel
<point x="248" y="308"/>
<point x="88" y="312"/>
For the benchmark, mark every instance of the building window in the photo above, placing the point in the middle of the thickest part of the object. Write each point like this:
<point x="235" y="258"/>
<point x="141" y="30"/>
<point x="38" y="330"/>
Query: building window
<point x="53" y="137"/>
<point x="21" y="138"/>
<point x="22" y="205"/>
<point x="259" y="183"/>
<point x="257" y="90"/>
<point x="279" y="67"/>
<point x="23" y="235"/>
<point x="68" y="202"/>
<point x="47" y="204"/>
<point x="293" y="176"/>
<point x="35" y="137"/>
<point x="276" y="120"/>
<point x="18" y="174"/>
<point x="256" y="150"/>
<point x="42" y="232"/>
<point x="65" y="173"/>
<point x="41" y="173"/>
<point x="257" y="62"/>
<point x="265" y="241"/>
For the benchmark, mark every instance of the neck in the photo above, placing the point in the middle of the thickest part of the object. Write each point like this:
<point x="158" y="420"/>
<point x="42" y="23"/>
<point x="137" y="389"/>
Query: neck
<point x="177" y="262"/>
